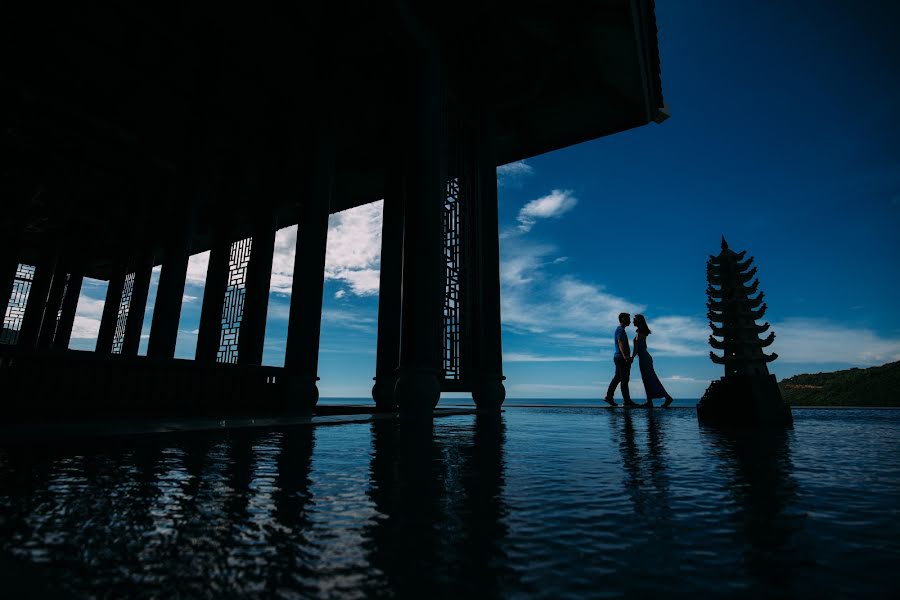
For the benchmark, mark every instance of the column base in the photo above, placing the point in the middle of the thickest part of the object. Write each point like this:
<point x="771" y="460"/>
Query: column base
<point x="383" y="393"/>
<point x="417" y="390"/>
<point x="489" y="395"/>
<point x="298" y="396"/>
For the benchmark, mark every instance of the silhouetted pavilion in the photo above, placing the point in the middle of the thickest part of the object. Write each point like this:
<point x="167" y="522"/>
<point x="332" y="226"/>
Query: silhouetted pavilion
<point x="138" y="135"/>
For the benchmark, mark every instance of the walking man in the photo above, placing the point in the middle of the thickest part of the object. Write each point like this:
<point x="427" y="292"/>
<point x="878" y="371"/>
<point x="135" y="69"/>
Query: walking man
<point x="622" y="358"/>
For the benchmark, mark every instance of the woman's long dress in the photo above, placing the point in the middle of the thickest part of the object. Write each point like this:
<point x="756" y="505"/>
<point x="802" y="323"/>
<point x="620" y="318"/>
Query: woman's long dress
<point x="652" y="384"/>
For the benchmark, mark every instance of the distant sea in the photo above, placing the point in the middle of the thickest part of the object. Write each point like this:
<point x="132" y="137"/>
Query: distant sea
<point x="511" y="402"/>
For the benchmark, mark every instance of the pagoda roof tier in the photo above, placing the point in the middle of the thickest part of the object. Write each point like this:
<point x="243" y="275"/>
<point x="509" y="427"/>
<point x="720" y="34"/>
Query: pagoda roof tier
<point x="742" y="265"/>
<point x="726" y="256"/>
<point x="727" y="316"/>
<point x="122" y="115"/>
<point x="730" y="329"/>
<point x="742" y="342"/>
<point x="722" y="304"/>
<point x="725" y="360"/>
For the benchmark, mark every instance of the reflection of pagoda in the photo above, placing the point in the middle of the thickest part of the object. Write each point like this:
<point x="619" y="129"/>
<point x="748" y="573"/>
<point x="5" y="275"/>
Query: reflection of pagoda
<point x="747" y="394"/>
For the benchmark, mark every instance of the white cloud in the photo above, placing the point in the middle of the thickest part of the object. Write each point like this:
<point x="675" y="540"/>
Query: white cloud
<point x="802" y="340"/>
<point x="353" y="254"/>
<point x="85" y="328"/>
<point x="354" y="248"/>
<point x="188" y="298"/>
<point x="340" y="293"/>
<point x="196" y="271"/>
<point x="283" y="260"/>
<point x="512" y="174"/>
<point x="553" y="205"/>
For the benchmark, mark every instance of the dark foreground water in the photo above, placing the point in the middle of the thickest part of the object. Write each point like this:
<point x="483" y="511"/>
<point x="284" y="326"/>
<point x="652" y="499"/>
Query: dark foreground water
<point x="552" y="503"/>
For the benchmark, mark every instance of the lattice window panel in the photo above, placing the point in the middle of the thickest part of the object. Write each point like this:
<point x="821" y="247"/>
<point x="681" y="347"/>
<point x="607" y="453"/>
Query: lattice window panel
<point x="122" y="317"/>
<point x="453" y="224"/>
<point x="233" y="307"/>
<point x="61" y="302"/>
<point x="15" y="310"/>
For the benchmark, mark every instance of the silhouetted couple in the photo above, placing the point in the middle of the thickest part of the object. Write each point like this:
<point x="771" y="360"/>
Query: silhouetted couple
<point x="623" y="359"/>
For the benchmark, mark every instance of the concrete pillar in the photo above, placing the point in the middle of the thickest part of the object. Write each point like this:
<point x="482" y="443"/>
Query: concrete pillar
<point x="210" y="333"/>
<point x="67" y="317"/>
<point x="143" y="271"/>
<point x="389" y="293"/>
<point x="170" y="291"/>
<point x="37" y="301"/>
<point x="418" y="385"/>
<point x="301" y="357"/>
<point x="488" y="391"/>
<point x="51" y="310"/>
<point x="111" y="310"/>
<point x="256" y="292"/>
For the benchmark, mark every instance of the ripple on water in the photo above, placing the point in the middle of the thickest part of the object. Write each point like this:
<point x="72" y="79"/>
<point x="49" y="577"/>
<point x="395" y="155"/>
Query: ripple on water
<point x="554" y="503"/>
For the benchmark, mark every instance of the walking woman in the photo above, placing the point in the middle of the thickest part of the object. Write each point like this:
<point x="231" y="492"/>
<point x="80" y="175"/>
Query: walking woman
<point x="652" y="384"/>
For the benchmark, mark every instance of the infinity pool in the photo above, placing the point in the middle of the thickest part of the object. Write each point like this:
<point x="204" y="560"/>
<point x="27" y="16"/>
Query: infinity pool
<point x="542" y="502"/>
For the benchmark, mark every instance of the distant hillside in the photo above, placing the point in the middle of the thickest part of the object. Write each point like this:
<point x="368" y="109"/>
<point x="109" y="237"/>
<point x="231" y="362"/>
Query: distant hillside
<point x="875" y="386"/>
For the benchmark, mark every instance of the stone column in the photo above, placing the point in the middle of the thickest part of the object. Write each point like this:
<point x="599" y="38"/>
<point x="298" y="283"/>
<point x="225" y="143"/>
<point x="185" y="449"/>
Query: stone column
<point x="210" y="333"/>
<point x="488" y="391"/>
<point x="67" y="317"/>
<point x="54" y="303"/>
<point x="418" y="385"/>
<point x="256" y="292"/>
<point x="143" y="271"/>
<point x="389" y="293"/>
<point x="170" y="291"/>
<point x="301" y="357"/>
<point x="111" y="310"/>
<point x="37" y="300"/>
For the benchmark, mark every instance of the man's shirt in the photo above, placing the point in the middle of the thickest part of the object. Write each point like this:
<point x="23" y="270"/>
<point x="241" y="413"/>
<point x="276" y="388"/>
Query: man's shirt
<point x="621" y="336"/>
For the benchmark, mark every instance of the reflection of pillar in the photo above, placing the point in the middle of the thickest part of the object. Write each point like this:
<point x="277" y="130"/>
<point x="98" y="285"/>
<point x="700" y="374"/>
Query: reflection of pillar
<point x="137" y="306"/>
<point x="111" y="309"/>
<point x="418" y="387"/>
<point x="51" y="310"/>
<point x="67" y="316"/>
<point x="256" y="294"/>
<point x="488" y="390"/>
<point x="210" y="332"/>
<point x="37" y="301"/>
<point x="170" y="291"/>
<point x="301" y="356"/>
<point x="389" y="295"/>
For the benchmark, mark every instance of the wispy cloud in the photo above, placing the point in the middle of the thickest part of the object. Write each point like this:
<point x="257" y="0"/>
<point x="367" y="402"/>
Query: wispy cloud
<point x="820" y="341"/>
<point x="571" y="313"/>
<point x="553" y="205"/>
<point x="512" y="174"/>
<point x="526" y="357"/>
<point x="350" y="320"/>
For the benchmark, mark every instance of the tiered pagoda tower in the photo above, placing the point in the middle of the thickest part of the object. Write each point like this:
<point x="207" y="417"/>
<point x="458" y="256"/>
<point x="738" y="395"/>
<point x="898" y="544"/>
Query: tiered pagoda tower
<point x="748" y="394"/>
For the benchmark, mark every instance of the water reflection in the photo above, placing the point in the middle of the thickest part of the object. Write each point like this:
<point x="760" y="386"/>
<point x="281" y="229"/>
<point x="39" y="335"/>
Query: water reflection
<point x="440" y="508"/>
<point x="762" y="495"/>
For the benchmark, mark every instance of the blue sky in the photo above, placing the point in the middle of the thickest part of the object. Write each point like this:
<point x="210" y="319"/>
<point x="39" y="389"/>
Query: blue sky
<point x="783" y="137"/>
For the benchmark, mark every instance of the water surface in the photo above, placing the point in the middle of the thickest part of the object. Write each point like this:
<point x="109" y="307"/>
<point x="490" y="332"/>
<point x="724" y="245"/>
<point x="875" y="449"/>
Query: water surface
<point x="542" y="502"/>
